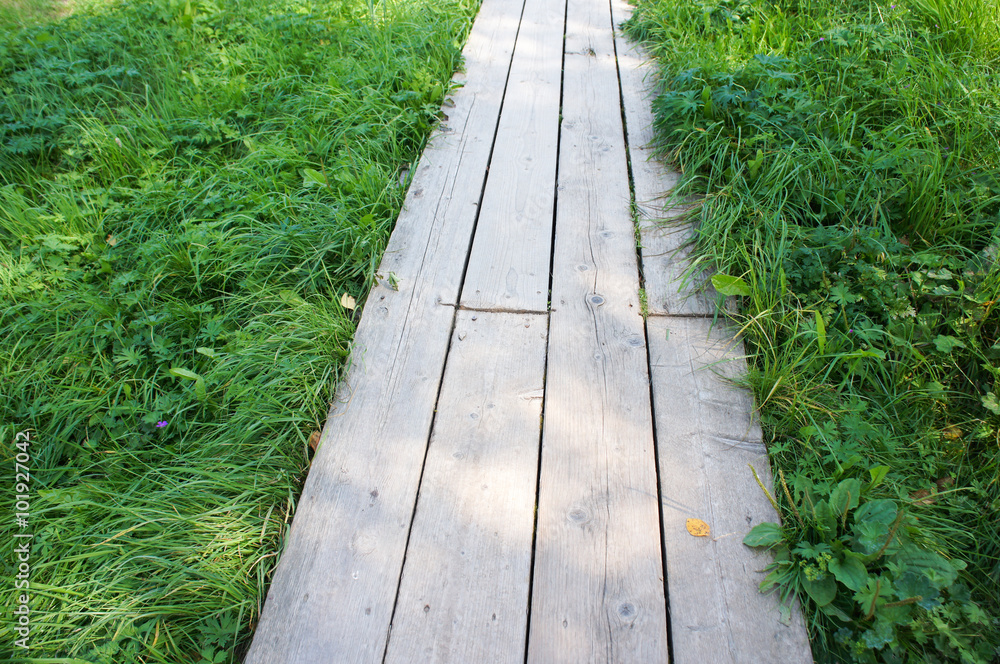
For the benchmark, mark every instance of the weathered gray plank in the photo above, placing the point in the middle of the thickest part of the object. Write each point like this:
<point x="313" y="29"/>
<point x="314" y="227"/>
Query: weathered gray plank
<point x="597" y="592"/>
<point x="464" y="592"/>
<point x="706" y="439"/>
<point x="332" y="594"/>
<point x="509" y="264"/>
<point x="665" y="259"/>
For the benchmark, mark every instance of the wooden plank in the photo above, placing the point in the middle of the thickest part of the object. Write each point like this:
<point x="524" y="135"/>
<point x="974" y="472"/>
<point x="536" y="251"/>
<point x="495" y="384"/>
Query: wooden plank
<point x="333" y="590"/>
<point x="509" y="264"/>
<point x="597" y="593"/>
<point x="665" y="259"/>
<point x="464" y="592"/>
<point x="706" y="439"/>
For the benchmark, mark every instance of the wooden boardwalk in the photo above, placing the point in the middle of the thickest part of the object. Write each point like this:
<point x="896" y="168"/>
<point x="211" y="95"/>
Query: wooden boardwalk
<point x="508" y="470"/>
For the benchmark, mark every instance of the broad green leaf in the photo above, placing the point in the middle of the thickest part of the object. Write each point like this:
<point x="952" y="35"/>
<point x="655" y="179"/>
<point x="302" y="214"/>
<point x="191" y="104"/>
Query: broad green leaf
<point x="186" y="374"/>
<point x="867" y="597"/>
<point x="878" y="636"/>
<point x="754" y="165"/>
<point x="991" y="404"/>
<point x="833" y="610"/>
<point x="763" y="534"/>
<point x="820" y="332"/>
<point x="870" y="536"/>
<point x="946" y="343"/>
<point x="939" y="570"/>
<point x="878" y="511"/>
<point x="290" y="297"/>
<point x="706" y="100"/>
<point x="727" y="285"/>
<point x="845" y="496"/>
<point x="207" y="352"/>
<point x="312" y="177"/>
<point x="200" y="389"/>
<point x="914" y="583"/>
<point x="822" y="591"/>
<point x="878" y="474"/>
<point x="825" y="518"/>
<point x="849" y="570"/>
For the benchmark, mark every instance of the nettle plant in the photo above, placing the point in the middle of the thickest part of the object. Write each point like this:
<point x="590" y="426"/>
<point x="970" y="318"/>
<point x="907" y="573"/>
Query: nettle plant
<point x="860" y="560"/>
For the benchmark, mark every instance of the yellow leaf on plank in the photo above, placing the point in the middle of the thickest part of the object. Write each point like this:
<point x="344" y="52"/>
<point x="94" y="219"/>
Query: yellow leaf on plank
<point x="697" y="527"/>
<point x="347" y="301"/>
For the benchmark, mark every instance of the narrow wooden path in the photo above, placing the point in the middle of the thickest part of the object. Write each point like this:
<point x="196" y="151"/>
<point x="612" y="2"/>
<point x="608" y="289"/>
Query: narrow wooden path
<point x="508" y="470"/>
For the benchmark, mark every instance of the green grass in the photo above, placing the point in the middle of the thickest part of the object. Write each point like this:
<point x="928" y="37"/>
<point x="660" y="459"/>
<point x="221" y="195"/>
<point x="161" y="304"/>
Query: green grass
<point x="848" y="153"/>
<point x="186" y="190"/>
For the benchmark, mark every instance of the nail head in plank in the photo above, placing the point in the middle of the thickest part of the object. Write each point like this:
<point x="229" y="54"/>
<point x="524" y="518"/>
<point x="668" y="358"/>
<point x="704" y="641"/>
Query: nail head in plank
<point x="464" y="591"/>
<point x="706" y="439"/>
<point x="597" y="593"/>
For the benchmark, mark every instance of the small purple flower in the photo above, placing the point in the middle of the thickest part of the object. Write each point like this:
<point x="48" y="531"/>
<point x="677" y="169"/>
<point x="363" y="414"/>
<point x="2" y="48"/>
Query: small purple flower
<point x="822" y="38"/>
<point x="850" y="329"/>
<point x="160" y="425"/>
<point x="892" y="6"/>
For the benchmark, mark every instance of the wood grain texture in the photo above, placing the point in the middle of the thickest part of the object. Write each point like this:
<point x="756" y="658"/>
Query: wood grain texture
<point x="598" y="584"/>
<point x="706" y="439"/>
<point x="665" y="258"/>
<point x="333" y="590"/>
<point x="509" y="264"/>
<point x="464" y="592"/>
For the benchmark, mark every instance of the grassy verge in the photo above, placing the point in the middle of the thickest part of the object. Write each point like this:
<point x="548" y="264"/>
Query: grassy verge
<point x="849" y="151"/>
<point x="186" y="191"/>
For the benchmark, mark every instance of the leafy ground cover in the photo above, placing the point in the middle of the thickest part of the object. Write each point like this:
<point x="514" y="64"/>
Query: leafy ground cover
<point x="850" y="151"/>
<point x="187" y="189"/>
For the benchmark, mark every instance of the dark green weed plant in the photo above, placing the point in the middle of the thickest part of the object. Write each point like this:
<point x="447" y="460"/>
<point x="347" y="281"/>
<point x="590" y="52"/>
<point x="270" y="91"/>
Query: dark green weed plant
<point x="848" y="155"/>
<point x="186" y="190"/>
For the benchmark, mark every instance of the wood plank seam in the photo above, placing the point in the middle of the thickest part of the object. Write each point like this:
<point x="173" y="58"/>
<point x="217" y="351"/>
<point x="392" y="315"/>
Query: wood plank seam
<point x="505" y="267"/>
<point x="713" y="316"/>
<point x="502" y="310"/>
<point x="489" y="162"/>
<point x="548" y="335"/>
<point x="420" y="480"/>
<point x="636" y="211"/>
<point x="470" y="548"/>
